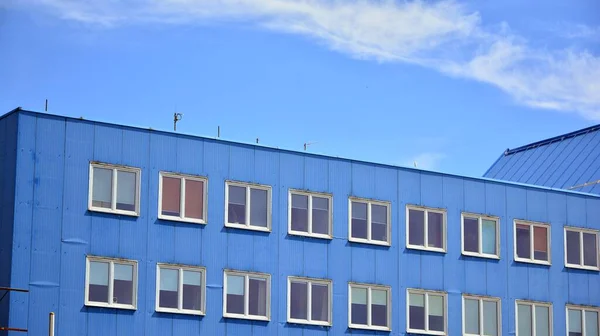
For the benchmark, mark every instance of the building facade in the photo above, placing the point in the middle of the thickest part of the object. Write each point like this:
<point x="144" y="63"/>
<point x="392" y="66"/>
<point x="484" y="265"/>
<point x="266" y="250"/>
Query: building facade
<point x="129" y="231"/>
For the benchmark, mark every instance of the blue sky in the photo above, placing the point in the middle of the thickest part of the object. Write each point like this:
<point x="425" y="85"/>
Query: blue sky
<point x="448" y="84"/>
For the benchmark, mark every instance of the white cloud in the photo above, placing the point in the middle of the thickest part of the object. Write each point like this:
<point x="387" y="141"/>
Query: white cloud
<point x="442" y="35"/>
<point x="426" y="160"/>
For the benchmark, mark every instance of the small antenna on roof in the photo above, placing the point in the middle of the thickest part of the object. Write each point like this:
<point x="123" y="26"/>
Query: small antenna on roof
<point x="46" y="108"/>
<point x="306" y="144"/>
<point x="415" y="164"/>
<point x="176" y="118"/>
<point x="257" y="140"/>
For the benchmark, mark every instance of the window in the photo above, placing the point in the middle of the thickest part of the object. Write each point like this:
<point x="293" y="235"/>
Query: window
<point x="426" y="228"/>
<point x="369" y="221"/>
<point x="534" y="318"/>
<point x="111" y="283"/>
<point x="182" y="198"/>
<point x="114" y="189"/>
<point x="309" y="214"/>
<point x="426" y="312"/>
<point x="532" y="242"/>
<point x="309" y="301"/>
<point x="247" y="295"/>
<point x="581" y="248"/>
<point x="180" y="289"/>
<point x="248" y="206"/>
<point x="583" y="321"/>
<point x="480" y="236"/>
<point x="369" y="307"/>
<point x="481" y="316"/>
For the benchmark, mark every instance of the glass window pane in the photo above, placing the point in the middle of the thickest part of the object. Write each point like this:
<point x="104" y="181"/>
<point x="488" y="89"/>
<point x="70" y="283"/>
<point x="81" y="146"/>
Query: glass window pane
<point x="524" y="318"/>
<point x="192" y="290"/>
<point x="540" y="243"/>
<point x="436" y="313"/>
<point x="258" y="207"/>
<point x="359" y="220"/>
<point x="194" y="199"/>
<point x="379" y="224"/>
<point x="102" y="187"/>
<point x="300" y="213"/>
<point x="257" y="293"/>
<point x="320" y="215"/>
<point x="590" y="250"/>
<point x="471" y="234"/>
<point x="359" y="305"/>
<point x="320" y="302"/>
<point x="416" y="227"/>
<point x="573" y="245"/>
<point x="235" y="294"/>
<point x="591" y="323"/>
<point x="435" y="229"/>
<point x="236" y="209"/>
<point x="98" y="282"/>
<point x="416" y="311"/>
<point x="472" y="316"/>
<point x="169" y="283"/>
<point x="171" y="196"/>
<point x="126" y="190"/>
<point x="379" y="307"/>
<point x="542" y="321"/>
<point x="298" y="300"/>
<point x="574" y="321"/>
<point x="488" y="232"/>
<point x="123" y="284"/>
<point x="490" y="318"/>
<point x="523" y="241"/>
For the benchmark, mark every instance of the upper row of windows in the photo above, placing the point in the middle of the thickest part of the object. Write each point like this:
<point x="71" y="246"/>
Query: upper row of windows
<point x="116" y="189"/>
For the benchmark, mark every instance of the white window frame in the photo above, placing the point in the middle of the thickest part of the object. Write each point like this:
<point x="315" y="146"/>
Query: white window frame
<point x="111" y="262"/>
<point x="247" y="276"/>
<point x="310" y="195"/>
<point x="369" y="288"/>
<point x="532" y="225"/>
<point x="309" y="282"/>
<point x="480" y="300"/>
<point x="426" y="293"/>
<point x="533" y="304"/>
<point x="426" y="225"/>
<point x="183" y="178"/>
<point x="180" y="269"/>
<point x="113" y="208"/>
<point x="581" y="231"/>
<point x="248" y="186"/>
<point x="583" y="309"/>
<point x="480" y="219"/>
<point x="369" y="203"/>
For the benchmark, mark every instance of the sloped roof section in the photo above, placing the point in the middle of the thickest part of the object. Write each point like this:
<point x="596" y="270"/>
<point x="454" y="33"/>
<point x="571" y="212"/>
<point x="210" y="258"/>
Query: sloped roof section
<point x="570" y="161"/>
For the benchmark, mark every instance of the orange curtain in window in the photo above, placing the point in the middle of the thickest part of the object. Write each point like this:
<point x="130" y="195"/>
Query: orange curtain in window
<point x="171" y="195"/>
<point x="540" y="239"/>
<point x="194" y="199"/>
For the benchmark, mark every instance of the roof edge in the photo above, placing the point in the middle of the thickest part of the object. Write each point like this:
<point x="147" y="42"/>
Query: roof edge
<point x="552" y="140"/>
<point x="15" y="110"/>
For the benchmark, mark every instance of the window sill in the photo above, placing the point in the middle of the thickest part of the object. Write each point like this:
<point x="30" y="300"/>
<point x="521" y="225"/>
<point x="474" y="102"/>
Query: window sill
<point x="248" y="227"/>
<point x="530" y="261"/>
<point x="107" y="305"/>
<point x="369" y="242"/>
<point x="480" y="255"/>
<point x="305" y="322"/>
<point x="582" y="267"/>
<point x="182" y="311"/>
<point x="114" y="212"/>
<point x="423" y="332"/>
<point x="366" y="327"/>
<point x="422" y="248"/>
<point x="247" y="317"/>
<point x="309" y="235"/>
<point x="182" y="220"/>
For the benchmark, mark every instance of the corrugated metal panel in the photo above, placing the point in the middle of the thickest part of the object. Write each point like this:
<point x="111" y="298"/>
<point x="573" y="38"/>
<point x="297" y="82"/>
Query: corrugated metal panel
<point x="150" y="240"/>
<point x="561" y="162"/>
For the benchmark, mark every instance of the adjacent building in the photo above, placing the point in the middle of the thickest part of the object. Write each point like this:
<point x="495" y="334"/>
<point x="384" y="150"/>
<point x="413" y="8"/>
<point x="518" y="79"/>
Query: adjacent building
<point x="129" y="231"/>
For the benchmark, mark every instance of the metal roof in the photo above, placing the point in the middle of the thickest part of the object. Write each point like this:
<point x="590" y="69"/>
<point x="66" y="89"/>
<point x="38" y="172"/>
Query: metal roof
<point x="570" y="161"/>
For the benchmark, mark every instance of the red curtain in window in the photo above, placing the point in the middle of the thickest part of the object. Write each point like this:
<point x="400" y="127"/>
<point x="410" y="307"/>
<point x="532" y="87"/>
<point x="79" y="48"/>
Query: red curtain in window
<point x="171" y="196"/>
<point x="540" y="239"/>
<point x="194" y="199"/>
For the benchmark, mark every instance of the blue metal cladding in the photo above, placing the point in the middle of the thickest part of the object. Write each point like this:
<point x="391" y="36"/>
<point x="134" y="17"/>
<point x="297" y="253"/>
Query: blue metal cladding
<point x="568" y="161"/>
<point x="53" y="232"/>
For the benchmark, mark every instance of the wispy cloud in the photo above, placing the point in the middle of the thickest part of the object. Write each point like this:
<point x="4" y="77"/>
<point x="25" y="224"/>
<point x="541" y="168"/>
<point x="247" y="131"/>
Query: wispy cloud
<point x="443" y="35"/>
<point x="426" y="160"/>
